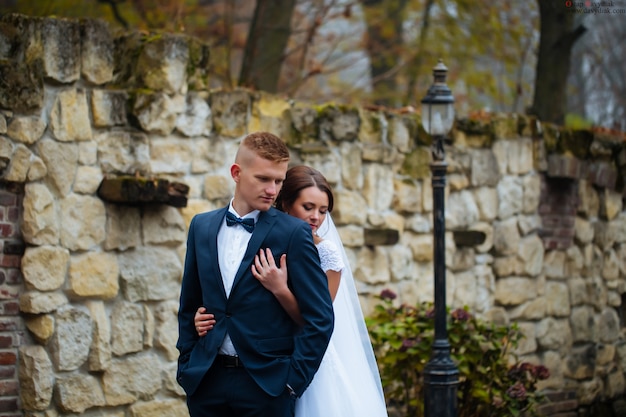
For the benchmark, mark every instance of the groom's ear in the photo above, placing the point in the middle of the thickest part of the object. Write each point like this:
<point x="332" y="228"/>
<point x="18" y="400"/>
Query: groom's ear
<point x="235" y="172"/>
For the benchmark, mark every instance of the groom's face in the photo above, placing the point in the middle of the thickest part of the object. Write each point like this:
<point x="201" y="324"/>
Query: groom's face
<point x="258" y="182"/>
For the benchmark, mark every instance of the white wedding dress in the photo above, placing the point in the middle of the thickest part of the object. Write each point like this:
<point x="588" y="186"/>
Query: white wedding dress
<point x="347" y="383"/>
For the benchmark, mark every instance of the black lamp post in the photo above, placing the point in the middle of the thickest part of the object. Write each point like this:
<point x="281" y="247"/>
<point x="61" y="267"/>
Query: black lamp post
<point x="441" y="376"/>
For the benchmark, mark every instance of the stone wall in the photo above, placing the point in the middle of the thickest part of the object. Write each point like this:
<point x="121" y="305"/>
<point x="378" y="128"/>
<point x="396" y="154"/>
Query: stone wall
<point x="100" y="280"/>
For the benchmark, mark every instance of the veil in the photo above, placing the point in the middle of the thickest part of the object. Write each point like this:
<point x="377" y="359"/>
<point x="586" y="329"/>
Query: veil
<point x="350" y="336"/>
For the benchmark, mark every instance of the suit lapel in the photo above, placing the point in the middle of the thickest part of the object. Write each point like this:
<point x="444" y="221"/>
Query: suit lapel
<point x="263" y="226"/>
<point x="213" y="229"/>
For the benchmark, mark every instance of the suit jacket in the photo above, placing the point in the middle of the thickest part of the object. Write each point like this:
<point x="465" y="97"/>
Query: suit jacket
<point x="274" y="350"/>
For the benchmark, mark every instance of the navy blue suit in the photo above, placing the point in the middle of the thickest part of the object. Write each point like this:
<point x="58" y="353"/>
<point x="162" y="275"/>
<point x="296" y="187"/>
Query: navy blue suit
<point x="273" y="349"/>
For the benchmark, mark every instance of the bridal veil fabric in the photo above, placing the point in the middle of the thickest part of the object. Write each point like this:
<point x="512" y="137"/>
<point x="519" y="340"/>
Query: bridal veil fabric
<point x="347" y="383"/>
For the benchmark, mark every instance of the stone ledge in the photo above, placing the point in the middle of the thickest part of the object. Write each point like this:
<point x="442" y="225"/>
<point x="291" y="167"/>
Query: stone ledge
<point x="132" y="190"/>
<point x="600" y="173"/>
<point x="562" y="166"/>
<point x="469" y="237"/>
<point x="377" y="237"/>
<point x="559" y="403"/>
<point x="603" y="174"/>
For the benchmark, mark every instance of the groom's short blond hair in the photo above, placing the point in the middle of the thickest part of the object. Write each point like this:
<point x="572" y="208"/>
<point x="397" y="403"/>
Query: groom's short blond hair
<point x="266" y="145"/>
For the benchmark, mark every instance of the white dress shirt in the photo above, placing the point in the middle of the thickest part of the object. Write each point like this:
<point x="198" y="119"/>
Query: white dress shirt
<point x="232" y="243"/>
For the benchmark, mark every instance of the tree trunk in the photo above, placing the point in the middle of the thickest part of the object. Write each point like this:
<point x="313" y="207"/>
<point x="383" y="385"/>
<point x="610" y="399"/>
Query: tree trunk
<point x="553" y="61"/>
<point x="264" y="53"/>
<point x="414" y="67"/>
<point x="384" y="20"/>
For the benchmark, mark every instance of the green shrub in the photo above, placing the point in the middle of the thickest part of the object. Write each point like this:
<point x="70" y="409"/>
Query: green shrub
<point x="492" y="382"/>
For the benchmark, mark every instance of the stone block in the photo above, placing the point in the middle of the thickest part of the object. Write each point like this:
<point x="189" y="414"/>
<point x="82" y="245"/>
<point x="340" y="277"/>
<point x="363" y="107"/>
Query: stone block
<point x="372" y="266"/>
<point x="94" y="274"/>
<point x="554" y="334"/>
<point x="510" y="196"/>
<point x="230" y="112"/>
<point x="127" y="328"/>
<point x="159" y="408"/>
<point x="602" y="174"/>
<point x="131" y="378"/>
<point x="162" y="63"/>
<point x="72" y="338"/>
<point x="35" y="302"/>
<point x="402" y="131"/>
<point x="196" y="119"/>
<point x="581" y="362"/>
<point x="407" y="196"/>
<point x="576" y="142"/>
<point x="36" y="377"/>
<point x="199" y="65"/>
<point x="69" y="118"/>
<point x="78" y="392"/>
<point x="26" y="129"/>
<point x="304" y="121"/>
<point x="22" y="89"/>
<point x="108" y="107"/>
<point x="150" y="274"/>
<point x="485" y="170"/>
<point x="416" y="163"/>
<point x="514" y="290"/>
<point x="163" y="226"/>
<point x="461" y="210"/>
<point x="45" y="267"/>
<point x="61" y="49"/>
<point x="157" y="112"/>
<point x="371" y="126"/>
<point x="611" y="204"/>
<point x="504" y="126"/>
<point x="583" y="324"/>
<point x="41" y="326"/>
<point x="270" y="113"/>
<point x="338" y="123"/>
<point x="83" y="222"/>
<point x="562" y="166"/>
<point x="96" y="51"/>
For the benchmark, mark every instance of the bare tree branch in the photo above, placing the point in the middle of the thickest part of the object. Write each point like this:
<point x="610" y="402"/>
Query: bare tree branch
<point x="116" y="13"/>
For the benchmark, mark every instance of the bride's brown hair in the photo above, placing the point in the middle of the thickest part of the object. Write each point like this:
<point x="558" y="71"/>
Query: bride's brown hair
<point x="297" y="179"/>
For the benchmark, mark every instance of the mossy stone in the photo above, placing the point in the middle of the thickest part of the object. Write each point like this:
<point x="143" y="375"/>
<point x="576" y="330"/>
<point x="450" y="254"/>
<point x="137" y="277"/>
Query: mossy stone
<point x="576" y="142"/>
<point x="417" y="163"/>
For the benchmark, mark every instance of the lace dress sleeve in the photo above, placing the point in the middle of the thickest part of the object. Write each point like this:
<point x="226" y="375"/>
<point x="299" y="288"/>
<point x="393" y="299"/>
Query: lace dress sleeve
<point x="330" y="256"/>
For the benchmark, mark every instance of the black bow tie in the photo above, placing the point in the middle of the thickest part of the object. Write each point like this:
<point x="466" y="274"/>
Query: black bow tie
<point x="232" y="220"/>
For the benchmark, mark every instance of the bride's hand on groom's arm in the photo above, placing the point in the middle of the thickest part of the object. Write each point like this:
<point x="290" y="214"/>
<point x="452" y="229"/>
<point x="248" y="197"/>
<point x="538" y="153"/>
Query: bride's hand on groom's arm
<point x="203" y="321"/>
<point x="274" y="279"/>
<point x="271" y="276"/>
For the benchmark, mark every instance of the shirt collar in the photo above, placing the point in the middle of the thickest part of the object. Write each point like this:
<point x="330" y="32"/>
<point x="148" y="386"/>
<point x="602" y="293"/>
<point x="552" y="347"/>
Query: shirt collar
<point x="254" y="214"/>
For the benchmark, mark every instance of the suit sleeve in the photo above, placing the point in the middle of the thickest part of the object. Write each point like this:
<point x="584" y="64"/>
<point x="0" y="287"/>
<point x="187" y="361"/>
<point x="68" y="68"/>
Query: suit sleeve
<point x="190" y="299"/>
<point x="310" y="287"/>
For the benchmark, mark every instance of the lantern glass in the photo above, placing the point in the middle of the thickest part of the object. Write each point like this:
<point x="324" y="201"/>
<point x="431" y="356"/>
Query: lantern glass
<point x="437" y="118"/>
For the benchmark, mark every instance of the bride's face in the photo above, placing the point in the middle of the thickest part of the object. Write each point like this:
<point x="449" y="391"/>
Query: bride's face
<point x="311" y="206"/>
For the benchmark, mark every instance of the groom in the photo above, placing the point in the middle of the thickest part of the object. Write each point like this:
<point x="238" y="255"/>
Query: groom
<point x="255" y="361"/>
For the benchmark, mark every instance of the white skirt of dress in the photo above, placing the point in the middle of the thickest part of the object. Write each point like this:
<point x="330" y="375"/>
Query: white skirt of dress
<point x="334" y="393"/>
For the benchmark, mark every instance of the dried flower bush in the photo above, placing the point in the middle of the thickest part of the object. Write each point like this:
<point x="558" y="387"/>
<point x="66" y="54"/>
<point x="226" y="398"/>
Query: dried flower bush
<point x="492" y="382"/>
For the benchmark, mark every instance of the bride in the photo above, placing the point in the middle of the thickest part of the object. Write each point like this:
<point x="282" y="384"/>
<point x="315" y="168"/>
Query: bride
<point x="347" y="383"/>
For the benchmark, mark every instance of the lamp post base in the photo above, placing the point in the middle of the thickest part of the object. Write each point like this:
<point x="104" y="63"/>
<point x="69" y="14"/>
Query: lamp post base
<point x="441" y="378"/>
